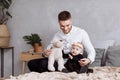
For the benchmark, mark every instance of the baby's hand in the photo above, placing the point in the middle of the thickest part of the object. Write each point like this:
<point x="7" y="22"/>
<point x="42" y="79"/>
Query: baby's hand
<point x="70" y="56"/>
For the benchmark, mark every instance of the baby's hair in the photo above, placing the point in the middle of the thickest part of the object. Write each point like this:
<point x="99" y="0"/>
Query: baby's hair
<point x="79" y="44"/>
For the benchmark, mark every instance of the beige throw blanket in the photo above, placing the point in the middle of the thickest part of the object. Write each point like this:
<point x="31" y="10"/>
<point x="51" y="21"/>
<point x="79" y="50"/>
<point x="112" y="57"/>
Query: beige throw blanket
<point x="100" y="73"/>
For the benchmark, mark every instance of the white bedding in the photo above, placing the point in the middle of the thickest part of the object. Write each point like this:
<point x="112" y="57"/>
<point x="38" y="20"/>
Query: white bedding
<point x="100" y="73"/>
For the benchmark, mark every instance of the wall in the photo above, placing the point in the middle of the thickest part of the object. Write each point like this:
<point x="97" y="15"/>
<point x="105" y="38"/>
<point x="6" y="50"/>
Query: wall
<point x="100" y="18"/>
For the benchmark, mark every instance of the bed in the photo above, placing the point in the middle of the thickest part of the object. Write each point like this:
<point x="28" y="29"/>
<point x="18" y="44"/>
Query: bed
<point x="105" y="67"/>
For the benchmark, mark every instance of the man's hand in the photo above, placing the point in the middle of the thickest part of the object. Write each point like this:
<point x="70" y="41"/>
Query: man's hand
<point x="84" y="61"/>
<point x="46" y="53"/>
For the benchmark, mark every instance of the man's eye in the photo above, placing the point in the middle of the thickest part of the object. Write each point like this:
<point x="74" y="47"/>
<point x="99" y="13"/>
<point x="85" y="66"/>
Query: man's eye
<point x="67" y="25"/>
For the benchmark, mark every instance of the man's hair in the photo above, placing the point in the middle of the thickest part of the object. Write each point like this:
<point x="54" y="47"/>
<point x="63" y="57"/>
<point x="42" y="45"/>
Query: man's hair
<point x="64" y="15"/>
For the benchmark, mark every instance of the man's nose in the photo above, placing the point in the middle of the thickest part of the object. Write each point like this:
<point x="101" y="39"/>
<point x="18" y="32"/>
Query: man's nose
<point x="65" y="28"/>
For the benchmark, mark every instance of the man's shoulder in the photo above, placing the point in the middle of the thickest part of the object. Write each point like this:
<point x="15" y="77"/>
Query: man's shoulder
<point x="79" y="29"/>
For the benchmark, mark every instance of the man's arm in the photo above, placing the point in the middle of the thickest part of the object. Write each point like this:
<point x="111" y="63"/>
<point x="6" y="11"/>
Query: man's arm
<point x="89" y="48"/>
<point x="47" y="52"/>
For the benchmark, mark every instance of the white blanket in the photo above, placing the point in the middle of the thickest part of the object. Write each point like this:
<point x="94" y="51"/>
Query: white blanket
<point x="100" y="73"/>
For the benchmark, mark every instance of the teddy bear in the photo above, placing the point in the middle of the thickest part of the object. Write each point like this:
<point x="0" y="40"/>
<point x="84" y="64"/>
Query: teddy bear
<point x="56" y="55"/>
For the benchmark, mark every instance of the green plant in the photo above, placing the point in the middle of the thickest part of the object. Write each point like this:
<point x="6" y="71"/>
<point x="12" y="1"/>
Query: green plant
<point x="4" y="14"/>
<point x="33" y="38"/>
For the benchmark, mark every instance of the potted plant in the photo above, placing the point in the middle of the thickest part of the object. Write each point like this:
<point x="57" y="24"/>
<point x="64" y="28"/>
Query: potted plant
<point x="4" y="16"/>
<point x="35" y="41"/>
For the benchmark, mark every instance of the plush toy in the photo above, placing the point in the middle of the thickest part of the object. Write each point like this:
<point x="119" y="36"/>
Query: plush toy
<point x="56" y="55"/>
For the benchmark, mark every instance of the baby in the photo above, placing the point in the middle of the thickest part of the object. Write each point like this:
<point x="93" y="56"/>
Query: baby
<point x="75" y="55"/>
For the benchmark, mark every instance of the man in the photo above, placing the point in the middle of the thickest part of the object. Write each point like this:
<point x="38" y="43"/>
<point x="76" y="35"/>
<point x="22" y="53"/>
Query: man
<point x="68" y="34"/>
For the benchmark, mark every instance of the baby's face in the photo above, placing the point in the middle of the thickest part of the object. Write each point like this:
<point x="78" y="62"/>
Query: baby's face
<point x="76" y="50"/>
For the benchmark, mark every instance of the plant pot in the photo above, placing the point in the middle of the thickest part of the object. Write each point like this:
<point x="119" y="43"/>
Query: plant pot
<point x="4" y="36"/>
<point x="38" y="48"/>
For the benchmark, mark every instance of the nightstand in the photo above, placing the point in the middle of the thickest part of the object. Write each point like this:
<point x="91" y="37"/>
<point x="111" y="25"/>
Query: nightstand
<point x="26" y="56"/>
<point x="2" y="59"/>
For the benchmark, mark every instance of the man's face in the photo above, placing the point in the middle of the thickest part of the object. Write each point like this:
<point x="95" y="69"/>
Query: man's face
<point x="66" y="26"/>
